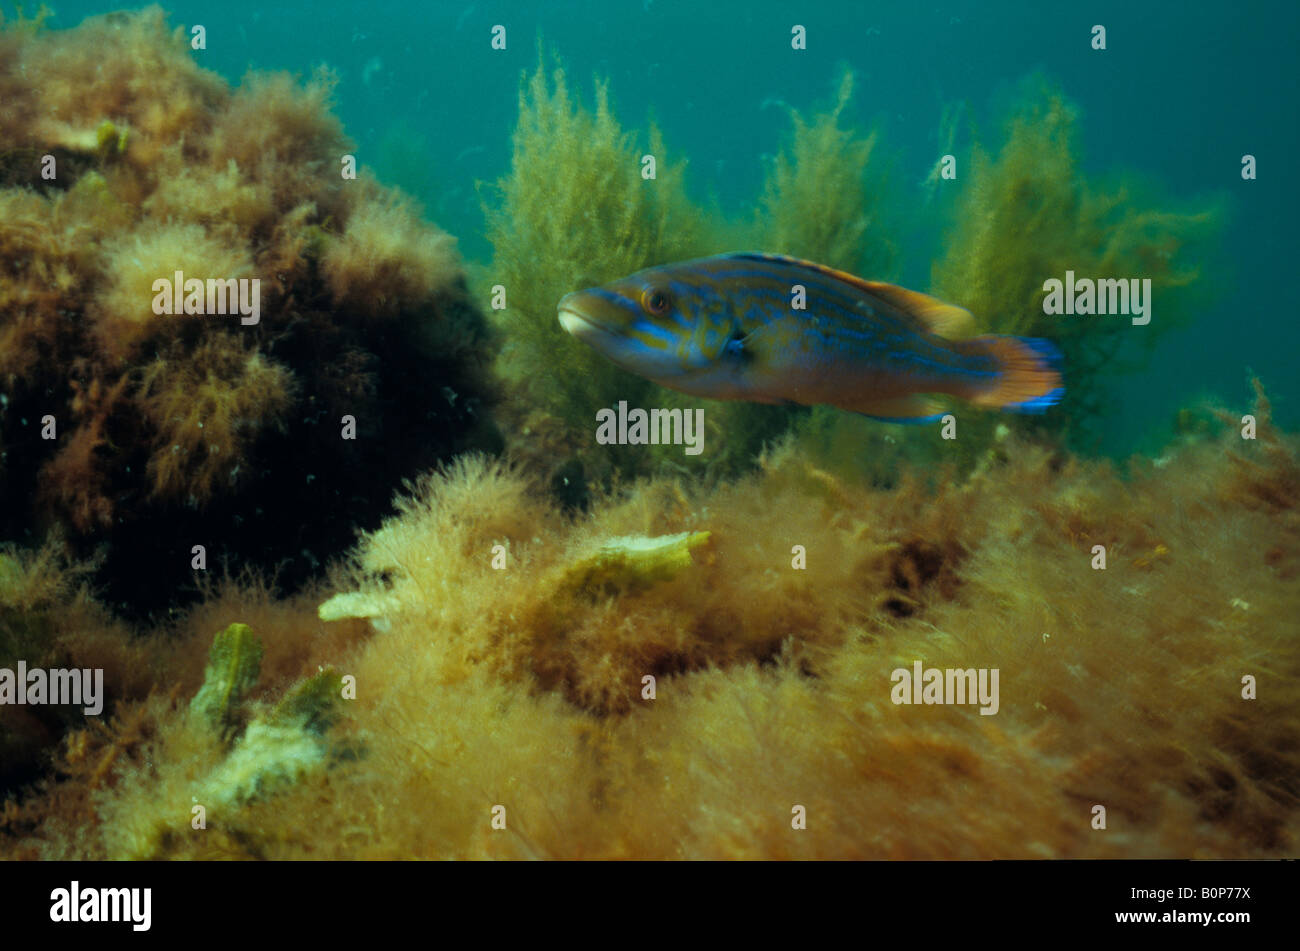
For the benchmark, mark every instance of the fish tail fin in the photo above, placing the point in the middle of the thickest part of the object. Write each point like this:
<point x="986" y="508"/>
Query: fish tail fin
<point x="1029" y="378"/>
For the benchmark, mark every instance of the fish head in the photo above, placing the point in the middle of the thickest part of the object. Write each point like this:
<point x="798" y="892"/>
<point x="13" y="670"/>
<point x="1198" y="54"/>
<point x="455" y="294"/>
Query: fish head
<point x="658" y="325"/>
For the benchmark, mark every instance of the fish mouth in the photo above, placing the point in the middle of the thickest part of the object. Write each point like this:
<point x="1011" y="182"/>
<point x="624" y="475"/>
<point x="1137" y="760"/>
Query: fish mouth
<point x="583" y="326"/>
<point x="608" y="343"/>
<point x="612" y="343"/>
<point x="576" y="324"/>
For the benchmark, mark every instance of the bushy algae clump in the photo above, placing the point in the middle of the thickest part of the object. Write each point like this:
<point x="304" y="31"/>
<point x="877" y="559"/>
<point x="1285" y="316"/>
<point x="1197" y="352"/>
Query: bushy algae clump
<point x="123" y="162"/>
<point x="575" y="211"/>
<point x="224" y="753"/>
<point x="614" y="709"/>
<point x="1022" y="214"/>
<point x="826" y="195"/>
<point x="773" y="679"/>
<point x="49" y="620"/>
<point x="666" y="673"/>
<point x="1027" y="214"/>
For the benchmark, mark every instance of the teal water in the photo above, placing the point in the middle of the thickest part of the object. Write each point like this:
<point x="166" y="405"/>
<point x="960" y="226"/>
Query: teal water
<point x="1183" y="90"/>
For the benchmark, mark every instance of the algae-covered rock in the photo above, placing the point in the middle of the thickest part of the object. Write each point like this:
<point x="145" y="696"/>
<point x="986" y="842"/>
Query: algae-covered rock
<point x="278" y="748"/>
<point x="268" y="758"/>
<point x="224" y="420"/>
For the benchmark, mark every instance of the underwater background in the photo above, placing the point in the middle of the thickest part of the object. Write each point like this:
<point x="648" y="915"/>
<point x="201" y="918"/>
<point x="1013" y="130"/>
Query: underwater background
<point x="388" y="639"/>
<point x="1182" y="93"/>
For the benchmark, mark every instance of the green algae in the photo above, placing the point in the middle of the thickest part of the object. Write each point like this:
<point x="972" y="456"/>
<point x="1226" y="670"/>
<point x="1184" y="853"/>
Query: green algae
<point x="574" y="212"/>
<point x="824" y="195"/>
<point x="823" y="199"/>
<point x="234" y="664"/>
<point x="1027" y="213"/>
<point x="110" y="141"/>
<point x="21" y="23"/>
<point x="312" y="703"/>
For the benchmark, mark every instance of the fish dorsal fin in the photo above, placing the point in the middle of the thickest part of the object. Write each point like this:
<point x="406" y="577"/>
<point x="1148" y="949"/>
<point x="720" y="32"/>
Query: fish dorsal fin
<point x="947" y="320"/>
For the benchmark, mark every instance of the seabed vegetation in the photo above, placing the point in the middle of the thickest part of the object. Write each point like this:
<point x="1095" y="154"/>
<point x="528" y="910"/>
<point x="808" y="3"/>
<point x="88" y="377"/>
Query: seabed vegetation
<point x="624" y="650"/>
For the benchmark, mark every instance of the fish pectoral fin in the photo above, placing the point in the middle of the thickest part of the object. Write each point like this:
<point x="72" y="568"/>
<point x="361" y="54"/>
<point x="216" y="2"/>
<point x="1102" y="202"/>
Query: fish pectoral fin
<point x="901" y="409"/>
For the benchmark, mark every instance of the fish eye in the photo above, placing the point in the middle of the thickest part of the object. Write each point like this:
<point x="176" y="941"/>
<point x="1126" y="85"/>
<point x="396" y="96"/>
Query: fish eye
<point x="654" y="301"/>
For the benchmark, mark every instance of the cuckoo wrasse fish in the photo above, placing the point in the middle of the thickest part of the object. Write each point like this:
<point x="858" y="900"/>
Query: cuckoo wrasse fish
<point x="727" y="327"/>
